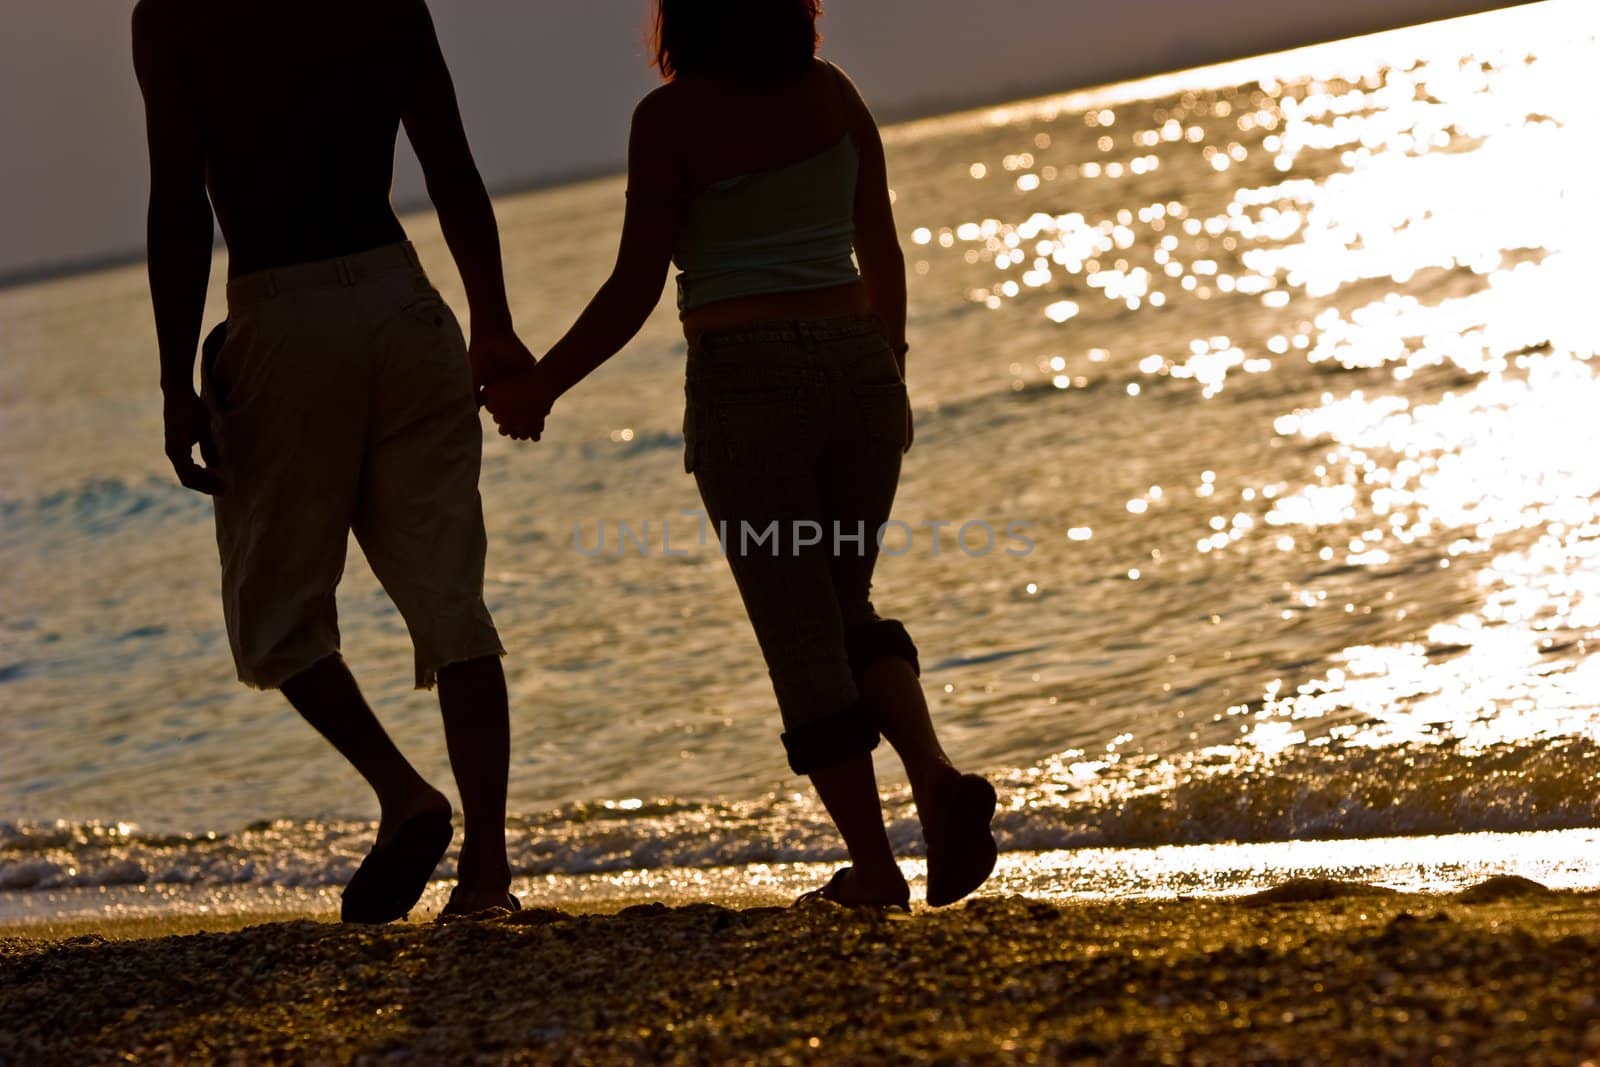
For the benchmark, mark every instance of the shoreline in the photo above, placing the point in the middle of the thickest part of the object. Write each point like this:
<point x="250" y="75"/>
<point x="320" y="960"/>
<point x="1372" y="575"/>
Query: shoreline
<point x="1314" y="970"/>
<point x="1561" y="859"/>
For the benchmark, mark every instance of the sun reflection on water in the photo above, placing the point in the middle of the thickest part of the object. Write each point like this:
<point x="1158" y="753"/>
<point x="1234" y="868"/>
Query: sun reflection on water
<point x="1401" y="251"/>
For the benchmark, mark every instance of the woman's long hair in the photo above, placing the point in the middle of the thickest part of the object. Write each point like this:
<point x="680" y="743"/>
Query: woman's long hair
<point x="748" y="40"/>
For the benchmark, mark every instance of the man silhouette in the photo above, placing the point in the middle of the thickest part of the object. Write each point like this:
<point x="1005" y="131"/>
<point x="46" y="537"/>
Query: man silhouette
<point x="342" y="395"/>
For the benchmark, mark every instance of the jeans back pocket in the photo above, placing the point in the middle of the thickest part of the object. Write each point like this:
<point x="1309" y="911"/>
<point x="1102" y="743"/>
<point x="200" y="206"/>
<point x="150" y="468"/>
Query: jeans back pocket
<point x="880" y="413"/>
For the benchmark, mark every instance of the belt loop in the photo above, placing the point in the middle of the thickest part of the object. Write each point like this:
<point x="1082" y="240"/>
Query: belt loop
<point x="272" y="284"/>
<point x="346" y="278"/>
<point x="807" y="338"/>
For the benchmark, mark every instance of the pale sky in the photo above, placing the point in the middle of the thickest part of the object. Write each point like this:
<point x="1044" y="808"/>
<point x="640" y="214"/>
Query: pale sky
<point x="546" y="86"/>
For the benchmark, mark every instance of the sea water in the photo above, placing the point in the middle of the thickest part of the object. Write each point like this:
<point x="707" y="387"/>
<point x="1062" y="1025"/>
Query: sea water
<point x="1255" y="499"/>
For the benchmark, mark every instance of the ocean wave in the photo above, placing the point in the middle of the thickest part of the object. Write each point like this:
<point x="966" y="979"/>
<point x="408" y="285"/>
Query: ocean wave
<point x="1209" y="797"/>
<point x="104" y="507"/>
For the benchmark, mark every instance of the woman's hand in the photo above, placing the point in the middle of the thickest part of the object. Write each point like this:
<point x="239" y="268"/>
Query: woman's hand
<point x="519" y="404"/>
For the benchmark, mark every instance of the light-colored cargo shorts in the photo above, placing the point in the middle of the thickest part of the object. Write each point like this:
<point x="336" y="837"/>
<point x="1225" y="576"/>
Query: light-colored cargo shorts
<point x="341" y="400"/>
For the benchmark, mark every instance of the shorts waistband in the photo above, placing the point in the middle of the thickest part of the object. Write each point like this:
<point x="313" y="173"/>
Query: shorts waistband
<point x="339" y="272"/>
<point x="791" y="331"/>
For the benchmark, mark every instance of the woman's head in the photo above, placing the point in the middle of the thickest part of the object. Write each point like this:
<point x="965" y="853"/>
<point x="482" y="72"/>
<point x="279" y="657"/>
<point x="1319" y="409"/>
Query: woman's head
<point x="751" y="40"/>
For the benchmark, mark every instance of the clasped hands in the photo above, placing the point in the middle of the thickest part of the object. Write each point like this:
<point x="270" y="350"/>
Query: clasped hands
<point x="512" y="386"/>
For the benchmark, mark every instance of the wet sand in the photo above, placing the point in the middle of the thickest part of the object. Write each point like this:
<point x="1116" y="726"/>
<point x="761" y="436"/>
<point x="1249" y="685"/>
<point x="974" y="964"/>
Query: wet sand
<point x="1319" y="972"/>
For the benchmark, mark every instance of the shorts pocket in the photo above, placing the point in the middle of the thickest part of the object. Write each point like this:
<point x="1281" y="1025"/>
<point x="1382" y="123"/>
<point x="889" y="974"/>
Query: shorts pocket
<point x="431" y="324"/>
<point x="235" y="374"/>
<point x="210" y="353"/>
<point x="229" y="372"/>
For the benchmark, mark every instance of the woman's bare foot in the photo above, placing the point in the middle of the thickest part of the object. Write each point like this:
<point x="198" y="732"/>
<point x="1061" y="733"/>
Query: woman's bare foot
<point x="854" y="888"/>
<point x="956" y="810"/>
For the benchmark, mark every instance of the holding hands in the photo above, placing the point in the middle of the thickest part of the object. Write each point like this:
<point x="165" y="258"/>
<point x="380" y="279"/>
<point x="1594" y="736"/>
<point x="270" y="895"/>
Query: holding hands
<point x="494" y="356"/>
<point x="520" y="403"/>
<point x="507" y="381"/>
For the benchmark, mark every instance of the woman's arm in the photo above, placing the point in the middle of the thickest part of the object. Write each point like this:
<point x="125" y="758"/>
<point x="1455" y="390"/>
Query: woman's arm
<point x="883" y="265"/>
<point x="621" y="306"/>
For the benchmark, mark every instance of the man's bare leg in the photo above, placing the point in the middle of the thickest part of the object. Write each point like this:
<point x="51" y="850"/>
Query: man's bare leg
<point x="326" y="696"/>
<point x="477" y="730"/>
<point x="414" y="831"/>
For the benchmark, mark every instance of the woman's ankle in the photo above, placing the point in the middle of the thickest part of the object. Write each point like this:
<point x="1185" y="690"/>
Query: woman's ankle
<point x="930" y="773"/>
<point x="878" y="873"/>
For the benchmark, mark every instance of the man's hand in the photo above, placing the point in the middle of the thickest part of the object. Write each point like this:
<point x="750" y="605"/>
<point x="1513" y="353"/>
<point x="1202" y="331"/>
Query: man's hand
<point x="519" y="405"/>
<point x="496" y="357"/>
<point x="188" y="423"/>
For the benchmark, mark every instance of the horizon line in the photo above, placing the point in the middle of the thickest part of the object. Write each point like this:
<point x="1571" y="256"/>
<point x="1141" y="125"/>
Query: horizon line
<point x="989" y="109"/>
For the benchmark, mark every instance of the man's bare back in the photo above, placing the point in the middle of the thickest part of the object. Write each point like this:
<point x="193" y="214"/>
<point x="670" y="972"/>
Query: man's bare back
<point x="279" y="117"/>
<point x="298" y="104"/>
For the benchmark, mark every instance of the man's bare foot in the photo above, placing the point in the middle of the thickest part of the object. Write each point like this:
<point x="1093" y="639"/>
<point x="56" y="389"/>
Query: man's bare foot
<point x="856" y="889"/>
<point x="397" y="812"/>
<point x="412" y="839"/>
<point x="483" y="877"/>
<point x="465" y="901"/>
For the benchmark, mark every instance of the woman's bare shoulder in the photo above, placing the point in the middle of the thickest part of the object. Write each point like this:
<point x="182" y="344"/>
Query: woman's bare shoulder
<point x="664" y="111"/>
<point x="841" y="77"/>
<point x="858" y="116"/>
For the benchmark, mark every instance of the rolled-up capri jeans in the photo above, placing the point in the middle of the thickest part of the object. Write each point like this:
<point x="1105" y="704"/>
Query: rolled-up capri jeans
<point x="794" y="432"/>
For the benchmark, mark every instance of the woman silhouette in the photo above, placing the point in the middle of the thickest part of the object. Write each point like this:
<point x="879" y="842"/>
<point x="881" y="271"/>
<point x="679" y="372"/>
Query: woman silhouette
<point x="758" y="169"/>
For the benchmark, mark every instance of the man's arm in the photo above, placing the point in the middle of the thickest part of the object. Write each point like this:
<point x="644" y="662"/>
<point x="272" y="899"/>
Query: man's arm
<point x="433" y="123"/>
<point x="621" y="306"/>
<point x="179" y="235"/>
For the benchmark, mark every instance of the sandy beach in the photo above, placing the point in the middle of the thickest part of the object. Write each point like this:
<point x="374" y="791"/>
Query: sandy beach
<point x="1312" y="972"/>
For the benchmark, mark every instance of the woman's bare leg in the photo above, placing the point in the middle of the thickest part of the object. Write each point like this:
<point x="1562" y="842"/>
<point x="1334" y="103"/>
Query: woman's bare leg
<point x="894" y="692"/>
<point x="849" y="791"/>
<point x="955" y="809"/>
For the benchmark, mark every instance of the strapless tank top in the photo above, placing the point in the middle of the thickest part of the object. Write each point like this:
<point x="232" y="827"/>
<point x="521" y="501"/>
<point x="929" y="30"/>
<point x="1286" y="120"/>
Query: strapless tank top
<point x="776" y="231"/>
